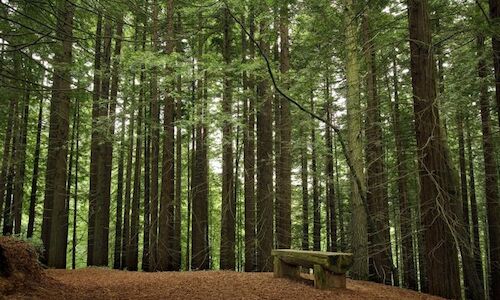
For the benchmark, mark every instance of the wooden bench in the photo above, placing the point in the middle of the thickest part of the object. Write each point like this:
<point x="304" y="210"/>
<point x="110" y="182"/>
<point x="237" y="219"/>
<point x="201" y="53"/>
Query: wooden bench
<point x="329" y="267"/>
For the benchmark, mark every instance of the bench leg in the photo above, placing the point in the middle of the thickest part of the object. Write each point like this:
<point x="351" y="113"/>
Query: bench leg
<point x="324" y="279"/>
<point x="282" y="269"/>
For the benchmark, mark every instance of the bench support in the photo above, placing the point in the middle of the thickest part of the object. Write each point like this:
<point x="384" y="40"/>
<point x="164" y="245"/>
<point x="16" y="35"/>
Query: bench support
<point x="324" y="279"/>
<point x="282" y="269"/>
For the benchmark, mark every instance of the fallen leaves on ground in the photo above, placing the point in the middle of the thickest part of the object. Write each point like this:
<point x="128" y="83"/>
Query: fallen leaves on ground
<point x="102" y="283"/>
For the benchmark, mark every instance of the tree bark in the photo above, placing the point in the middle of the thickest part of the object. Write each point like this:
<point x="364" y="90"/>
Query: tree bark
<point x="249" y="159"/>
<point x="380" y="252"/>
<point x="359" y="227"/>
<point x="439" y="192"/>
<point x="94" y="147"/>
<point x="166" y="215"/>
<point x="264" y="167"/>
<point x="409" y="269"/>
<point x="36" y="170"/>
<point x="55" y="215"/>
<point x="284" y="185"/>
<point x="314" y="171"/>
<point x="155" y="149"/>
<point x="491" y="176"/>
<point x="228" y="236"/>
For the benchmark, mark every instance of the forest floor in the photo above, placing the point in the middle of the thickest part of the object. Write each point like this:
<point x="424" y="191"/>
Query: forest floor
<point x="101" y="283"/>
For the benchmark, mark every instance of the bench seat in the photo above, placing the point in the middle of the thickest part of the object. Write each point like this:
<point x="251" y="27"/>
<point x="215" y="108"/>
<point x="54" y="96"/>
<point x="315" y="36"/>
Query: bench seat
<point x="329" y="268"/>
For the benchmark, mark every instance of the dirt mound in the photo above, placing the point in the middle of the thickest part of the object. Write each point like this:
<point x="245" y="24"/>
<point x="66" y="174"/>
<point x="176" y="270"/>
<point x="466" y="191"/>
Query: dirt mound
<point x="19" y="267"/>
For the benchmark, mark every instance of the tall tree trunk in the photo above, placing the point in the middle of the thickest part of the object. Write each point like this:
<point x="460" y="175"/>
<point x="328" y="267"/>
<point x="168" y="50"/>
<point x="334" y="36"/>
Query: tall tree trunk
<point x="94" y="147"/>
<point x="264" y="167"/>
<point x="473" y="206"/>
<point x="75" y="200"/>
<point x="133" y="249"/>
<point x="11" y="172"/>
<point x="109" y="145"/>
<point x="359" y="227"/>
<point x="128" y="186"/>
<point x="36" y="169"/>
<point x="200" y="250"/>
<point x="177" y="259"/>
<point x="227" y="246"/>
<point x="21" y="166"/>
<point x="495" y="41"/>
<point x="8" y="140"/>
<point x="147" y="164"/>
<point x="314" y="171"/>
<point x="490" y="174"/>
<point x="155" y="149"/>
<point x="55" y="217"/>
<point x="102" y="202"/>
<point x="409" y="269"/>
<point x="305" y="190"/>
<point x="283" y="182"/>
<point x="380" y="252"/>
<point x="249" y="158"/>
<point x="330" y="180"/>
<point x="438" y="189"/>
<point x="166" y="217"/>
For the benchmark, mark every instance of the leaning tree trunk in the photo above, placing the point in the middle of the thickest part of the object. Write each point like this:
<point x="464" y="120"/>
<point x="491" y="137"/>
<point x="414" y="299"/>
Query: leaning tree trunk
<point x="36" y="169"/>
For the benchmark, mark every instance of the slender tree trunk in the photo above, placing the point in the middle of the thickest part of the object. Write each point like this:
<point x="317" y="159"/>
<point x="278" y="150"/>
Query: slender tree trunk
<point x="409" y="269"/>
<point x="133" y="248"/>
<point x="147" y="191"/>
<point x="495" y="41"/>
<point x="473" y="206"/>
<point x="380" y="252"/>
<point x="359" y="227"/>
<point x="228" y="235"/>
<point x="155" y="149"/>
<point x="21" y="166"/>
<point x="55" y="216"/>
<point x="11" y="172"/>
<point x="177" y="261"/>
<point x="305" y="191"/>
<point x="491" y="175"/>
<point x="70" y="169"/>
<point x="6" y="153"/>
<point x="109" y="146"/>
<point x="94" y="147"/>
<point x="147" y="168"/>
<point x="128" y="187"/>
<point x="330" y="180"/>
<point x="283" y="182"/>
<point x="249" y="160"/>
<point x="314" y="171"/>
<point x="36" y="169"/>
<point x="75" y="200"/>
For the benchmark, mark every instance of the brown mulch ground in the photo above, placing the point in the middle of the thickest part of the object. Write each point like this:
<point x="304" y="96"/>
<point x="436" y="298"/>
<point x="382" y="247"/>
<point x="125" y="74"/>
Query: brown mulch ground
<point x="100" y="283"/>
